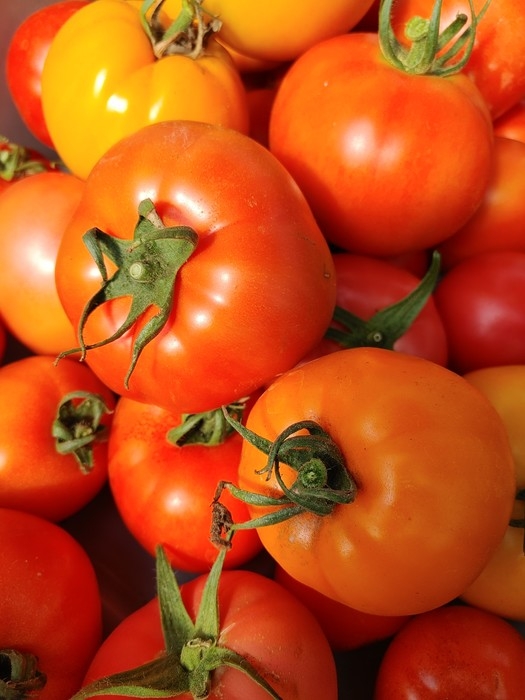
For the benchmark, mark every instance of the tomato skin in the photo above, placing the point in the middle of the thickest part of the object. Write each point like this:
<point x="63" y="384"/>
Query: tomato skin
<point x="259" y="619"/>
<point x="49" y="600"/>
<point x="366" y="285"/>
<point x="481" y="303"/>
<point x="498" y="223"/>
<point x="453" y="652"/>
<point x="499" y="587"/>
<point x="29" y="303"/>
<point x="104" y="97"/>
<point x="497" y="62"/>
<point x="428" y="422"/>
<point x="25" y="59"/>
<point x="362" y="158"/>
<point x="271" y="30"/>
<point x="511" y="124"/>
<point x="344" y="627"/>
<point x="258" y="242"/>
<point x="34" y="476"/>
<point x="163" y="492"/>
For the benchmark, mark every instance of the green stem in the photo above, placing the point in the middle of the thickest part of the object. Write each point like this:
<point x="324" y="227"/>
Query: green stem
<point x="425" y="55"/>
<point x="186" y="35"/>
<point x="209" y="428"/>
<point x="77" y="426"/>
<point x="322" y="482"/>
<point x="389" y="324"/>
<point x="147" y="269"/>
<point x="20" y="677"/>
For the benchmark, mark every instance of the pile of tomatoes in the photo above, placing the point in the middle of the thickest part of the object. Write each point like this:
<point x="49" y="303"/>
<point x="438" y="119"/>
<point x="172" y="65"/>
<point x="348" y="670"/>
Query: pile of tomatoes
<point x="262" y="350"/>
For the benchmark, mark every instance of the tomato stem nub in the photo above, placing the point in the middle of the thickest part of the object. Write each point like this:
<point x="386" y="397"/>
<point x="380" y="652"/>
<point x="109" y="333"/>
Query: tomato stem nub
<point x="192" y="651"/>
<point x="208" y="428"/>
<point x="186" y="35"/>
<point x="323" y="480"/>
<point x="427" y="53"/>
<point x="20" y="677"/>
<point x="147" y="268"/>
<point x="386" y="326"/>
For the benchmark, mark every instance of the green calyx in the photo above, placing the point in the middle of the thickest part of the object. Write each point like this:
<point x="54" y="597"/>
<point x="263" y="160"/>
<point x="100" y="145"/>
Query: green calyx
<point x="322" y="481"/>
<point x="192" y="649"/>
<point x="430" y="51"/>
<point x="209" y="428"/>
<point x="386" y="326"/>
<point x="147" y="268"/>
<point x="186" y="35"/>
<point x="16" y="161"/>
<point x="77" y="426"/>
<point x="20" y="677"/>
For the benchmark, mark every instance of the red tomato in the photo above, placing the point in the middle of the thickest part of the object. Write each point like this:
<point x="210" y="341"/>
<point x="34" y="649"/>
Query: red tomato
<point x="370" y="289"/>
<point x="403" y="440"/>
<point x="511" y="124"/>
<point x="344" y="627"/>
<point x="497" y="61"/>
<point x="258" y="619"/>
<point x="49" y="603"/>
<point x="379" y="148"/>
<point x="453" y="652"/>
<point x="164" y="492"/>
<point x="29" y="301"/>
<point x="25" y="59"/>
<point x="54" y="468"/>
<point x="256" y="286"/>
<point x="498" y="223"/>
<point x="481" y="301"/>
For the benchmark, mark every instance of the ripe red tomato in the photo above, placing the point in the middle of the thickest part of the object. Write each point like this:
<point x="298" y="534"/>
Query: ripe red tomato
<point x="29" y="302"/>
<point x="453" y="652"/>
<point x="53" y="456"/>
<point x="25" y="59"/>
<point x="498" y="223"/>
<point x="163" y="491"/>
<point x="344" y="627"/>
<point x="49" y="605"/>
<point x="256" y="285"/>
<point x="371" y="289"/>
<point x="379" y="148"/>
<point x="410" y="444"/>
<point x="481" y="302"/>
<point x="497" y="62"/>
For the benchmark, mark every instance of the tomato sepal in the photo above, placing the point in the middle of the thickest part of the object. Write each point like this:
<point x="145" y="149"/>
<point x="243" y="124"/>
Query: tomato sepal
<point x="209" y="428"/>
<point x="192" y="652"/>
<point x="23" y="679"/>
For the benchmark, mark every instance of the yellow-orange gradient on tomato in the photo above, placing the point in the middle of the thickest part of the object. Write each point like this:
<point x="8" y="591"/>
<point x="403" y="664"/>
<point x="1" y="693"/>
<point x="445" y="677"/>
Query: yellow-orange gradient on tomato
<point x="102" y="80"/>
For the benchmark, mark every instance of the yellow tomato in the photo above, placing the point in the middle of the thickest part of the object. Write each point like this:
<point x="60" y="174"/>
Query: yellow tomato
<point x="273" y="30"/>
<point x="501" y="585"/>
<point x="102" y="81"/>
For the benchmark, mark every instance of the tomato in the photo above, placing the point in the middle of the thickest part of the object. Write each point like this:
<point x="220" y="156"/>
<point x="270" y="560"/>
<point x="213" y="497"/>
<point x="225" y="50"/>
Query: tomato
<point x="35" y="212"/>
<point x="453" y="652"/>
<point x="499" y="587"/>
<point x="258" y="619"/>
<point x="481" y="303"/>
<point x="408" y="444"/>
<point x="511" y="124"/>
<point x="163" y="491"/>
<point x="370" y="289"/>
<point x="25" y="58"/>
<point x="276" y="31"/>
<point x="124" y="86"/>
<point x="497" y="63"/>
<point x="51" y="469"/>
<point x="345" y="628"/>
<point x="380" y="146"/>
<point x="252" y="298"/>
<point x="17" y="162"/>
<point x="498" y="223"/>
<point x="49" y="605"/>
